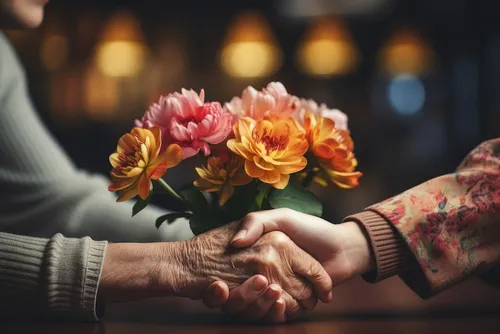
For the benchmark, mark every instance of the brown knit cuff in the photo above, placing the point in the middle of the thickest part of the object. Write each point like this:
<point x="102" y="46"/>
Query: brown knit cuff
<point x="390" y="251"/>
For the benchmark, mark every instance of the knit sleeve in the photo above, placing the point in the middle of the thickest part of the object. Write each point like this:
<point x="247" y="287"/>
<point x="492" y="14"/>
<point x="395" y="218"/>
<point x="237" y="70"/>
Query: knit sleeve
<point x="56" y="277"/>
<point x="43" y="193"/>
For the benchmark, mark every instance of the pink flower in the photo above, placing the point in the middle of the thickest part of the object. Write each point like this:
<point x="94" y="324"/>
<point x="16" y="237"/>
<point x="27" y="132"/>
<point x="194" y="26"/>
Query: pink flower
<point x="185" y="119"/>
<point x="273" y="100"/>
<point x="322" y="110"/>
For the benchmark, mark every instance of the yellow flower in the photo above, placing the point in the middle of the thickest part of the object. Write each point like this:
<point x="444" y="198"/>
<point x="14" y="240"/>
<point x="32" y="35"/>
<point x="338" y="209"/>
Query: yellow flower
<point x="222" y="174"/>
<point x="272" y="148"/>
<point x="334" y="150"/>
<point x="137" y="161"/>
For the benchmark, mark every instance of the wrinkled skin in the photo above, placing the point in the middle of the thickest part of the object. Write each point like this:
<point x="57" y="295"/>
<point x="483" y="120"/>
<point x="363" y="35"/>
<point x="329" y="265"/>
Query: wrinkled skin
<point x="208" y="258"/>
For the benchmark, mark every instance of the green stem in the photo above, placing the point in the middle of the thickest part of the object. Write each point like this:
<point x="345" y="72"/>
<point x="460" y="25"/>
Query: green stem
<point x="170" y="189"/>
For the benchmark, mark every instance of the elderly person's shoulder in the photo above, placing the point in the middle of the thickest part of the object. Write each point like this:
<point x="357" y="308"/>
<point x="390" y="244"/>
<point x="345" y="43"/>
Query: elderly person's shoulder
<point x="10" y="67"/>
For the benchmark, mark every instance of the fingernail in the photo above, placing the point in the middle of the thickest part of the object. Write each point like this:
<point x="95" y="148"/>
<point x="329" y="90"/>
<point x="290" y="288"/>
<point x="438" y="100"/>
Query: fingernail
<point x="240" y="235"/>
<point x="258" y="284"/>
<point x="274" y="287"/>
<point x="330" y="296"/>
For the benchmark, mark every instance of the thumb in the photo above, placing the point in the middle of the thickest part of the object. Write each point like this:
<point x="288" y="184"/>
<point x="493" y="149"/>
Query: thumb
<point x="252" y="227"/>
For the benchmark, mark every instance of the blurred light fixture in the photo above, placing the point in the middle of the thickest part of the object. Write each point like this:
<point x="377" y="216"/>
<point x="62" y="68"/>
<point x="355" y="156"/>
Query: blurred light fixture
<point x="121" y="51"/>
<point x="249" y="49"/>
<point x="54" y="51"/>
<point x="406" y="94"/>
<point x="406" y="52"/>
<point x="310" y="8"/>
<point x="327" y="49"/>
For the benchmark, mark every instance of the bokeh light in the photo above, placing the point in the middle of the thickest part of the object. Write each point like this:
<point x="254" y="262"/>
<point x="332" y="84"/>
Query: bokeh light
<point x="250" y="50"/>
<point x="406" y="94"/>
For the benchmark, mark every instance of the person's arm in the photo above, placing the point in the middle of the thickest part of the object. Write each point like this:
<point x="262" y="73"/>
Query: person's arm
<point x="43" y="193"/>
<point x="451" y="225"/>
<point x="433" y="235"/>
<point x="55" y="278"/>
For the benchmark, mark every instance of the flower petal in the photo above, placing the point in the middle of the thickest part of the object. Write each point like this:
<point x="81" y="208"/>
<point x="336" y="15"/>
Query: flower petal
<point x="283" y="182"/>
<point x="262" y="164"/>
<point x="293" y="167"/>
<point x="205" y="185"/>
<point x="172" y="155"/>
<point x="240" y="178"/>
<point x="225" y="194"/>
<point x="252" y="170"/>
<point x="155" y="172"/>
<point x="127" y="193"/>
<point x="271" y="177"/>
<point x="144" y="186"/>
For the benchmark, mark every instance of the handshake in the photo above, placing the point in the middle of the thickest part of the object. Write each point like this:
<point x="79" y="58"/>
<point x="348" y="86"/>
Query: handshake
<point x="273" y="266"/>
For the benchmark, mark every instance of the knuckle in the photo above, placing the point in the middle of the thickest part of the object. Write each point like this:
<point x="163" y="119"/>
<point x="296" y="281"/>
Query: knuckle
<point x="278" y="239"/>
<point x="250" y="217"/>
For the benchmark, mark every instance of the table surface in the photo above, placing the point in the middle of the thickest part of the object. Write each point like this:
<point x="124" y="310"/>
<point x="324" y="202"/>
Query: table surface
<point x="387" y="307"/>
<point x="334" y="325"/>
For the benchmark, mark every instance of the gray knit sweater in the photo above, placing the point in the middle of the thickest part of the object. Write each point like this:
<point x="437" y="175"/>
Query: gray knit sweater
<point x="49" y="211"/>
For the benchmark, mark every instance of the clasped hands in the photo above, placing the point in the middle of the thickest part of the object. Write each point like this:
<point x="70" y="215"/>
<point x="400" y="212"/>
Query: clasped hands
<point x="272" y="267"/>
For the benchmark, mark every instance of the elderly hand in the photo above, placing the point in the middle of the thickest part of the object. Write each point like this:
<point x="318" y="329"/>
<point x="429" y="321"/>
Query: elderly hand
<point x="274" y="256"/>
<point x="188" y="268"/>
<point x="343" y="250"/>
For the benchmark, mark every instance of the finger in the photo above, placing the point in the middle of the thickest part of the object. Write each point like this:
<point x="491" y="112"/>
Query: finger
<point x="216" y="294"/>
<point x="263" y="305"/>
<point x="309" y="268"/>
<point x="277" y="313"/>
<point x="303" y="292"/>
<point x="293" y="309"/>
<point x="252" y="227"/>
<point x="244" y="295"/>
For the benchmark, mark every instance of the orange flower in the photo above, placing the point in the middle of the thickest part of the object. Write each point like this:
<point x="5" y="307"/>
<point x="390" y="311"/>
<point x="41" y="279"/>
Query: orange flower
<point x="137" y="161"/>
<point x="334" y="150"/>
<point x="272" y="148"/>
<point x="222" y="174"/>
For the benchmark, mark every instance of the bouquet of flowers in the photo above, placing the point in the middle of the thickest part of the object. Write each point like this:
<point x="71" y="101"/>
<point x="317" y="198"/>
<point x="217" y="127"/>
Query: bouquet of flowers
<point x="263" y="150"/>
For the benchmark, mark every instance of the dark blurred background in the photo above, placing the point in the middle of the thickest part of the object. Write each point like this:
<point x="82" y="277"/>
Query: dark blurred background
<point x="419" y="80"/>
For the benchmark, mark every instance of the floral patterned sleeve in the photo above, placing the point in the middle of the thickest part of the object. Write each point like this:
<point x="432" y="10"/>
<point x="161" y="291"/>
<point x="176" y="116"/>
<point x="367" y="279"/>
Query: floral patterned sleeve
<point x="451" y="223"/>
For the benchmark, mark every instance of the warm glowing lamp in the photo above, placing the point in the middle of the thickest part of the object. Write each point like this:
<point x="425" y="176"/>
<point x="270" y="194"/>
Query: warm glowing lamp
<point x="406" y="52"/>
<point x="121" y="52"/>
<point x="327" y="50"/>
<point x="249" y="49"/>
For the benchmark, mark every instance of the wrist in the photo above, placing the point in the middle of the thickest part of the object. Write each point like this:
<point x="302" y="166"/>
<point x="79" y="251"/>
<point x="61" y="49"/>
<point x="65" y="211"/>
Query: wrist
<point x="135" y="271"/>
<point x="357" y="248"/>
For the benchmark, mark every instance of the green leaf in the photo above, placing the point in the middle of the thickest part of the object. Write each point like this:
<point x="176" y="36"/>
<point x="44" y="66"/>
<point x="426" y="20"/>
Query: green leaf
<point x="140" y="204"/>
<point x="200" y="223"/>
<point x="171" y="218"/>
<point x="241" y="203"/>
<point x="195" y="199"/>
<point x="297" y="199"/>
<point x="261" y="196"/>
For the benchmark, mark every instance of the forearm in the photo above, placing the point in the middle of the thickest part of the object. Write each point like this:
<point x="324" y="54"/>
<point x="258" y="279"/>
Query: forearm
<point x="135" y="271"/>
<point x="56" y="277"/>
<point x="450" y="223"/>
